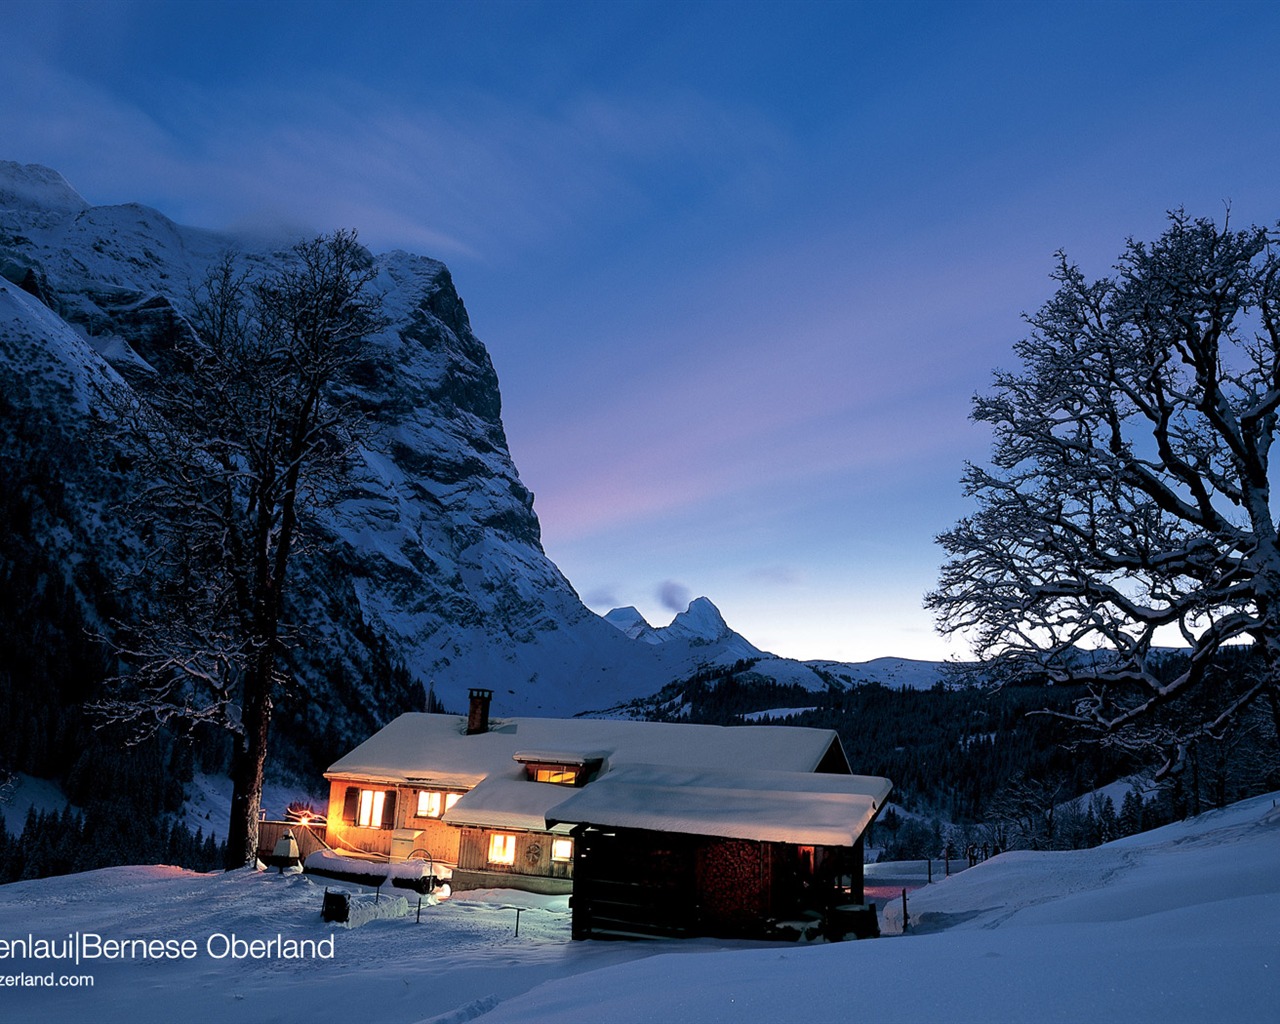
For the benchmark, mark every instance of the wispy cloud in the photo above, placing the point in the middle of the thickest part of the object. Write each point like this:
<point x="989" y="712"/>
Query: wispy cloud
<point x="470" y="175"/>
<point x="777" y="576"/>
<point x="673" y="596"/>
<point x="788" y="396"/>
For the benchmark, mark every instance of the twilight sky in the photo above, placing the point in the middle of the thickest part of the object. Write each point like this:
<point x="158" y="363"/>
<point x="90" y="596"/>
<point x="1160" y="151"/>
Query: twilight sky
<point x="740" y="266"/>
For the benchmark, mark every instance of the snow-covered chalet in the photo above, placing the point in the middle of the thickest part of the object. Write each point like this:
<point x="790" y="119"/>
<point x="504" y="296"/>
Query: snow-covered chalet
<point x="656" y="828"/>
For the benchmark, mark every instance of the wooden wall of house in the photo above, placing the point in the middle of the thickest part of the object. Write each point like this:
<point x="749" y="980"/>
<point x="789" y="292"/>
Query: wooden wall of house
<point x="638" y="882"/>
<point x="533" y="854"/>
<point x="629" y="882"/>
<point x="814" y="877"/>
<point x="441" y="841"/>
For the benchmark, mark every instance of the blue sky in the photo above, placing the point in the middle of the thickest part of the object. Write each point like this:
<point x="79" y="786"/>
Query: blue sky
<point x="740" y="266"/>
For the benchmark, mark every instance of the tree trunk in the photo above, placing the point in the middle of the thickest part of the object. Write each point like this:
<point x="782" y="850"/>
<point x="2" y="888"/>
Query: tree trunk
<point x="246" y="774"/>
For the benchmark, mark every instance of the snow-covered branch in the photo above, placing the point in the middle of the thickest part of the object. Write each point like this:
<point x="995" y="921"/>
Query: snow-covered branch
<point x="1128" y="505"/>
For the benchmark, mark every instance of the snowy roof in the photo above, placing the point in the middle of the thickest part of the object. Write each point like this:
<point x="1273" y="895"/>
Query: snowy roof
<point x="768" y="806"/>
<point x="434" y="750"/>
<point x="507" y="800"/>
<point x="564" y="757"/>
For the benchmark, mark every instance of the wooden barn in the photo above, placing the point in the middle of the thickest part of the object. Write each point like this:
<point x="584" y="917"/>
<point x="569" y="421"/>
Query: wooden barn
<point x="656" y="828"/>
<point x="749" y="853"/>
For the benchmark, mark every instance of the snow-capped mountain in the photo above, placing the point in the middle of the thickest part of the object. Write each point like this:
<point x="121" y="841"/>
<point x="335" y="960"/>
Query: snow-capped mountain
<point x="434" y="555"/>
<point x="436" y="547"/>
<point x="699" y="625"/>
<point x="435" y="551"/>
<point x="702" y="627"/>
<point x="633" y="624"/>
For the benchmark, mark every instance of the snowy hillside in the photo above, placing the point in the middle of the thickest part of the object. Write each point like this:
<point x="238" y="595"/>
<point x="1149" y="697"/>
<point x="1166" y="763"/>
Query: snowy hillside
<point x="896" y="673"/>
<point x="1177" y="925"/>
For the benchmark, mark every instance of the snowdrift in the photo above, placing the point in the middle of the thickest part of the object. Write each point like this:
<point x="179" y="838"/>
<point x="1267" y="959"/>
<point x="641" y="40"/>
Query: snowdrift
<point x="1177" y="925"/>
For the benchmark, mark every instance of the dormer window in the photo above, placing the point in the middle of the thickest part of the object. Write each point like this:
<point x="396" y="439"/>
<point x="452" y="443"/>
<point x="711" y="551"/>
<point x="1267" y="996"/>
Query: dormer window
<point x="560" y="767"/>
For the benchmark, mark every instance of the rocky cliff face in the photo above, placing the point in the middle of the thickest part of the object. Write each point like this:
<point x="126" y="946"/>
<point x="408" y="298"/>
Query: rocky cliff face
<point x="430" y="558"/>
<point x="432" y="554"/>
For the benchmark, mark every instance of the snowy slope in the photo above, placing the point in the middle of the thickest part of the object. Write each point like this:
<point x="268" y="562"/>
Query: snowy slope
<point x="1180" y="924"/>
<point x="1177" y="925"/>
<point x="895" y="673"/>
<point x="633" y="624"/>
<point x="25" y="793"/>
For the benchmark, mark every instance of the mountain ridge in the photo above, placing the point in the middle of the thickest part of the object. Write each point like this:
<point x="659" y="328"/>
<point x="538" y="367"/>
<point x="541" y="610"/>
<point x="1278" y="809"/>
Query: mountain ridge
<point x="433" y="555"/>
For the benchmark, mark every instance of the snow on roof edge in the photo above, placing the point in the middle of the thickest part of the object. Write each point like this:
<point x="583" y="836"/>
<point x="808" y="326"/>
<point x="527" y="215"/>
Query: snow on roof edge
<point x="420" y="745"/>
<point x="766" y="806"/>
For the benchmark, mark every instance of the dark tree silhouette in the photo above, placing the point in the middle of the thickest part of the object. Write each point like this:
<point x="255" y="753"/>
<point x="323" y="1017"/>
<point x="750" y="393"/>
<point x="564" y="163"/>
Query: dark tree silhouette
<point x="236" y="444"/>
<point x="1129" y="504"/>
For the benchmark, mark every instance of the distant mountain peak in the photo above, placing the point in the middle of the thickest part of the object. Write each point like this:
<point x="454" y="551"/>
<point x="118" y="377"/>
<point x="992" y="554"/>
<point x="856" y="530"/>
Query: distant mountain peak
<point x="701" y="621"/>
<point x="700" y="625"/>
<point x="633" y="624"/>
<point x="36" y="187"/>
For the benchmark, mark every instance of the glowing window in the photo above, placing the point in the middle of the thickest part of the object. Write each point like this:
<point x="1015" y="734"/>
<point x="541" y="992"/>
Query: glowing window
<point x="560" y="776"/>
<point x="562" y="850"/>
<point x="502" y="848"/>
<point x="432" y="803"/>
<point x="371" y="804"/>
<point x="428" y="803"/>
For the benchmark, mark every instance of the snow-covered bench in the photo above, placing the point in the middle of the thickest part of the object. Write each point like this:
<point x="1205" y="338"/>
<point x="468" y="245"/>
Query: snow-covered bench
<point x="422" y="876"/>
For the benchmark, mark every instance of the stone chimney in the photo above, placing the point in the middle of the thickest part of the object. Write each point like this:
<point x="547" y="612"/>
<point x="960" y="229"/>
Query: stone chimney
<point x="478" y="714"/>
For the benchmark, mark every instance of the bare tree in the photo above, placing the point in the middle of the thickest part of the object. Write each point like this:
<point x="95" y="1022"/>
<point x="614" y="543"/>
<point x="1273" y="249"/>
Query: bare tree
<point x="236" y="445"/>
<point x="1025" y="812"/>
<point x="1129" y="504"/>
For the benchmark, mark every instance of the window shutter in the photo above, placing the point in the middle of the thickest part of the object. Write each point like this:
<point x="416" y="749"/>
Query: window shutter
<point x="350" y="804"/>
<point x="389" y="810"/>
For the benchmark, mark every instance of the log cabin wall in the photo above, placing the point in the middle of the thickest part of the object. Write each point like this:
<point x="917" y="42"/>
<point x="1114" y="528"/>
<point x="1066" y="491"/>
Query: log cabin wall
<point x="533" y="854"/>
<point x="441" y="841"/>
<point x="631" y="882"/>
<point x="438" y="839"/>
<point x="352" y="837"/>
<point x="814" y="877"/>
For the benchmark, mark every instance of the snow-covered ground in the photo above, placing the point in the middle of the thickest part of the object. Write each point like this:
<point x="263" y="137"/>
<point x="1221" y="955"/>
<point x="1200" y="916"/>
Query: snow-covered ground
<point x="1180" y="924"/>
